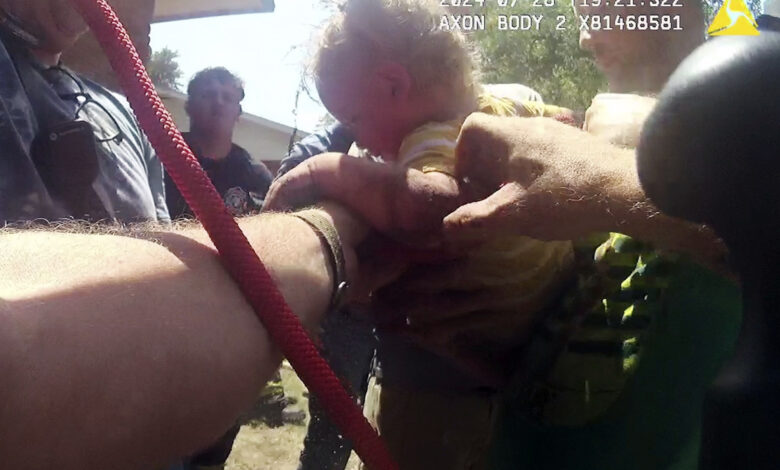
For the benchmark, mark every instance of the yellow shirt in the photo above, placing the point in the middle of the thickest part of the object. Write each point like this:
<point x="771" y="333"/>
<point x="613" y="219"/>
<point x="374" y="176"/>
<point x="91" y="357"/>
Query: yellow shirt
<point x="528" y="274"/>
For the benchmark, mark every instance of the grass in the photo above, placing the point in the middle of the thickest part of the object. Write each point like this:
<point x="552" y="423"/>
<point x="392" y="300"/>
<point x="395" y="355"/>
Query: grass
<point x="260" y="447"/>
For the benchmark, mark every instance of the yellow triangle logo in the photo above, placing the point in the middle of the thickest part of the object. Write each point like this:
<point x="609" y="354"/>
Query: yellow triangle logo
<point x="733" y="19"/>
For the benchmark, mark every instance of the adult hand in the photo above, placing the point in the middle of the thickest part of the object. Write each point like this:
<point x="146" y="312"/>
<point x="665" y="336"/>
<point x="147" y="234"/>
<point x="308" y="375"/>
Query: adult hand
<point x="552" y="181"/>
<point x="299" y="186"/>
<point x="438" y="305"/>
<point x="437" y="300"/>
<point x="555" y="182"/>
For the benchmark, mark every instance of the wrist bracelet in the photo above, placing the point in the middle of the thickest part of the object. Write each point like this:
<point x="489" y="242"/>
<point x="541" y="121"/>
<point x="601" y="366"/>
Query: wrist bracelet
<point x="328" y="233"/>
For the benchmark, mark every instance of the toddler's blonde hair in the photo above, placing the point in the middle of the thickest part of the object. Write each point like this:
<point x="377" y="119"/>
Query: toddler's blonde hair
<point x="404" y="31"/>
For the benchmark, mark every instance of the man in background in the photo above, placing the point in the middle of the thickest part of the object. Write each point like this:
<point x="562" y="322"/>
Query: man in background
<point x="214" y="98"/>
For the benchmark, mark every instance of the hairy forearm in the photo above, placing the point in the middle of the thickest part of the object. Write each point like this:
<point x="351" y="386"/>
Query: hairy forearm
<point x="624" y="207"/>
<point x="644" y="221"/>
<point x="126" y="353"/>
<point x="390" y="198"/>
<point x="555" y="182"/>
<point x="360" y="185"/>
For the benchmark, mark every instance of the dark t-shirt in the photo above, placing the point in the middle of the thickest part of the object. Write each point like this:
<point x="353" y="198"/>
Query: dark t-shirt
<point x="241" y="181"/>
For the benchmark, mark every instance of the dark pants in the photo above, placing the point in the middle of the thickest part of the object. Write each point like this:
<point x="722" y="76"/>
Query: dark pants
<point x="348" y="346"/>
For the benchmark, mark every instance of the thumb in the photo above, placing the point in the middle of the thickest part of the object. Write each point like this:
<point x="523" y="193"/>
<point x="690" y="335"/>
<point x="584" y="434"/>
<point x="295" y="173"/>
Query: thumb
<point x="295" y="189"/>
<point x="481" y="151"/>
<point x="501" y="212"/>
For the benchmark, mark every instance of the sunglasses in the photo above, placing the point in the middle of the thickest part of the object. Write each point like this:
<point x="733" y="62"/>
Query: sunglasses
<point x="88" y="107"/>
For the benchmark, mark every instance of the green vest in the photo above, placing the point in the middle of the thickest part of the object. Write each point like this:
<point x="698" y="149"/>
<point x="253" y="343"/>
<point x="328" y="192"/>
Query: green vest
<point x="653" y="422"/>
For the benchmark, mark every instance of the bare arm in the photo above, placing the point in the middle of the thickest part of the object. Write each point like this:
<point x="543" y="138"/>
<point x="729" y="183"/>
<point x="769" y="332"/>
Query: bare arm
<point x="394" y="200"/>
<point x="118" y="352"/>
<point x="557" y="182"/>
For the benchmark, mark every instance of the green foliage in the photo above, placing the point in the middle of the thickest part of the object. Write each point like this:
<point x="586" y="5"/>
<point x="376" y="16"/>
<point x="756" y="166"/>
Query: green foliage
<point x="548" y="60"/>
<point x="164" y="69"/>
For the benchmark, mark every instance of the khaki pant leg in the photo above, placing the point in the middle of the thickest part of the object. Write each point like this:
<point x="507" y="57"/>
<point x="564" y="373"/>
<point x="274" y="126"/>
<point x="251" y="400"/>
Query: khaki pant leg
<point x="429" y="430"/>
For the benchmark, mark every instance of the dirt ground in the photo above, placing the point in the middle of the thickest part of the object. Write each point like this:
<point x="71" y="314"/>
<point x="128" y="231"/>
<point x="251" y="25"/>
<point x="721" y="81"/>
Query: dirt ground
<point x="259" y="447"/>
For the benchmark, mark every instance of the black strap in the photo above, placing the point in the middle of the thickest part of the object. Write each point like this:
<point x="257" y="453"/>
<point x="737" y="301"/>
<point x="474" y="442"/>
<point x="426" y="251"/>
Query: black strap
<point x="328" y="233"/>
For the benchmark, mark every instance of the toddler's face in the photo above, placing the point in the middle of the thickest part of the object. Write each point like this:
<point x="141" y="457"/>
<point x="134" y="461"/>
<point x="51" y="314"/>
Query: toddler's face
<point x="362" y="101"/>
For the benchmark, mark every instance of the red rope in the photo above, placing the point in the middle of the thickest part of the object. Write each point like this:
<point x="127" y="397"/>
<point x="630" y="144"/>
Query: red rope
<point x="239" y="258"/>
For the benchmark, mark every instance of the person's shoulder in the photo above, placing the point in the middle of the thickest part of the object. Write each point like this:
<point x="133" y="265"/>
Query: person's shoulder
<point x="114" y="101"/>
<point x="339" y="136"/>
<point x="333" y="138"/>
<point x="240" y="151"/>
<point x="242" y="155"/>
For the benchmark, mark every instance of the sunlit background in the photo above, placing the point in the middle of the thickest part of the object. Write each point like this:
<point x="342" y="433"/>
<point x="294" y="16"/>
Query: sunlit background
<point x="268" y="51"/>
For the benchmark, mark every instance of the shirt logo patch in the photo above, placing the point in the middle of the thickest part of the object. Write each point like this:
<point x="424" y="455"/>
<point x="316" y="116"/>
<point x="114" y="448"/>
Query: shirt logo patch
<point x="236" y="200"/>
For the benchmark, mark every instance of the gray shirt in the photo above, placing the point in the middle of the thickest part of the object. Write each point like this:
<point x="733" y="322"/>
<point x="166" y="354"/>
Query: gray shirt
<point x="128" y="185"/>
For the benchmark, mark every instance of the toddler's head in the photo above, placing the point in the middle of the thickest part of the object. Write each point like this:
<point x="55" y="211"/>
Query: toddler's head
<point x="384" y="68"/>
